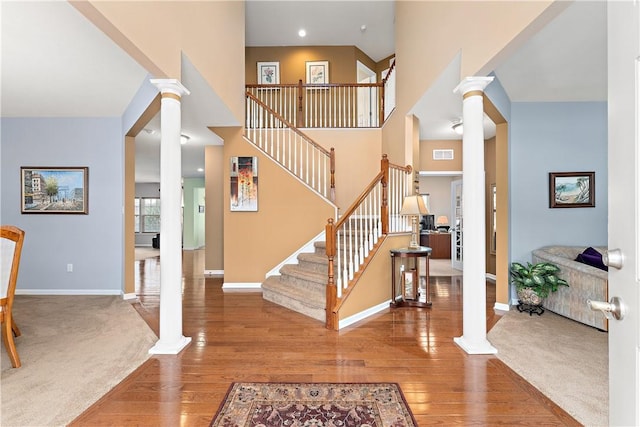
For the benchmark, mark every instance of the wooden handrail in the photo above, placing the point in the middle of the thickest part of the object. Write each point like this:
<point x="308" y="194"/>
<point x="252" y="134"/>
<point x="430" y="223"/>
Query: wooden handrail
<point x="290" y="147"/>
<point x="289" y="125"/>
<point x="331" y="105"/>
<point x="393" y="66"/>
<point x="364" y="247"/>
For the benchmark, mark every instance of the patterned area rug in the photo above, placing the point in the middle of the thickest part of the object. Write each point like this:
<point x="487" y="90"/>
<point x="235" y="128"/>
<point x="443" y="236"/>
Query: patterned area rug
<point x="314" y="404"/>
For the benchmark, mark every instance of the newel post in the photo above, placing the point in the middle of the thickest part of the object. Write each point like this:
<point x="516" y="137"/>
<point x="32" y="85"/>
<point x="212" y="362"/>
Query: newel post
<point x="384" y="207"/>
<point x="381" y="103"/>
<point x="331" y="316"/>
<point x="332" y="165"/>
<point x="299" y="120"/>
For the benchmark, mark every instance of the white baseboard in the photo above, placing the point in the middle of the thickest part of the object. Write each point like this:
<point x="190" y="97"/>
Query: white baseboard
<point x="501" y="306"/>
<point x="129" y="296"/>
<point x="68" y="292"/>
<point x="363" y="315"/>
<point x="214" y="273"/>
<point x="241" y="286"/>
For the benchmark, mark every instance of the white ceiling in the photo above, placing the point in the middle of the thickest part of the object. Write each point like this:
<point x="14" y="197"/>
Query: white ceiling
<point x="55" y="63"/>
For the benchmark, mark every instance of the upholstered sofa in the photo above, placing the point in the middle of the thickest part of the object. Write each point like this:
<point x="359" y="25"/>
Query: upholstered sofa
<point x="585" y="283"/>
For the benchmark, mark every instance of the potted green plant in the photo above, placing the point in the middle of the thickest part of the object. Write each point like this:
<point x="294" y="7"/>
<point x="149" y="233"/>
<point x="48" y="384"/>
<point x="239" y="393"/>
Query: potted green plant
<point x="534" y="282"/>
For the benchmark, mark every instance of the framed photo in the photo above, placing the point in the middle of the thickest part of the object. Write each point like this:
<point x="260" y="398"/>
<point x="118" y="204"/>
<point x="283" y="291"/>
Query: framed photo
<point x="54" y="190"/>
<point x="572" y="190"/>
<point x="317" y="72"/>
<point x="268" y="73"/>
<point x="409" y="284"/>
<point x="244" y="184"/>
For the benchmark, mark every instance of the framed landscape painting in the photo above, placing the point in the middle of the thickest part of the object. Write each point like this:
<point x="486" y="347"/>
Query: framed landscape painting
<point x="54" y="190"/>
<point x="572" y="190"/>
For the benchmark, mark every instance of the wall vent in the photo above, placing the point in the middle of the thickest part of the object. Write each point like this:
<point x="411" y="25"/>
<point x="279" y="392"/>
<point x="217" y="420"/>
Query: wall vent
<point x="443" y="154"/>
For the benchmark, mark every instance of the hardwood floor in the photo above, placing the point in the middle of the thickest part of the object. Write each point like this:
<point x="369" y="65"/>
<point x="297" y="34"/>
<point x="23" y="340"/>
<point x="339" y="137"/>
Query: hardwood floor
<point x="237" y="336"/>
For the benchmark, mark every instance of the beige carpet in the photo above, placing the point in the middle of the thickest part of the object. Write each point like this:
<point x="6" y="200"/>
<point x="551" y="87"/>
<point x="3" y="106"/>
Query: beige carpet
<point x="73" y="350"/>
<point x="442" y="267"/>
<point x="145" y="252"/>
<point x="566" y="360"/>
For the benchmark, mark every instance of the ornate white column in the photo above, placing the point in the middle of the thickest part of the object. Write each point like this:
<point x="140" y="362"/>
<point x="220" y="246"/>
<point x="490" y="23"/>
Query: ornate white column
<point x="171" y="339"/>
<point x="474" y="292"/>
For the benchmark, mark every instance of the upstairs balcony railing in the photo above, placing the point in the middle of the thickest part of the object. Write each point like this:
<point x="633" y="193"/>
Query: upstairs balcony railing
<point x="334" y="105"/>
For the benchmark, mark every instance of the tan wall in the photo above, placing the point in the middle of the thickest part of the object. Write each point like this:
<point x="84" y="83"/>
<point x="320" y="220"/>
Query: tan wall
<point x="358" y="158"/>
<point x="429" y="34"/>
<point x="253" y="241"/>
<point x="374" y="287"/>
<point x="502" y="213"/>
<point x="342" y="62"/>
<point x="210" y="33"/>
<point x="214" y="201"/>
<point x="426" y="155"/>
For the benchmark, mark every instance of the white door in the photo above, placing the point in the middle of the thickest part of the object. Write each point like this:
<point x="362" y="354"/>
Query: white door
<point x="456" y="224"/>
<point x="624" y="207"/>
<point x="367" y="97"/>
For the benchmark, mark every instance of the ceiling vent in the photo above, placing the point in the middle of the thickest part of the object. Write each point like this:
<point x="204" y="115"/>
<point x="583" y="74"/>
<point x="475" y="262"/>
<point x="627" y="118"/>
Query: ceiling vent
<point x="443" y="154"/>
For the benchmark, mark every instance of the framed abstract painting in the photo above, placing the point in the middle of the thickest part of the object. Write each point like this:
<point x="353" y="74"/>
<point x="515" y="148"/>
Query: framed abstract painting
<point x="244" y="184"/>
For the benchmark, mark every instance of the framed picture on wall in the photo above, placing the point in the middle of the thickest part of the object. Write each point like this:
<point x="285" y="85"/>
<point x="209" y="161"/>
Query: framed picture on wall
<point x="54" y="190"/>
<point x="317" y="72"/>
<point x="572" y="190"/>
<point x="244" y="184"/>
<point x="269" y="73"/>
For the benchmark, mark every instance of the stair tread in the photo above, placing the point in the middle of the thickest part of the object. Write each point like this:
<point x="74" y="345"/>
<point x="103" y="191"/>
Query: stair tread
<point x="313" y="257"/>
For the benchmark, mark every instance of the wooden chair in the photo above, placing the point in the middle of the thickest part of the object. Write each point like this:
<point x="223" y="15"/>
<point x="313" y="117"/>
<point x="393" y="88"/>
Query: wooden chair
<point x="11" y="240"/>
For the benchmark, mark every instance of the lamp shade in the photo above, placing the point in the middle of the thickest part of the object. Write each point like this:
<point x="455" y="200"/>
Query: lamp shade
<point x="413" y="205"/>
<point x="442" y="220"/>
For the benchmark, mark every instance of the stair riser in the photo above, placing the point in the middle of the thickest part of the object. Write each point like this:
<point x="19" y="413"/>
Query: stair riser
<point x="297" y="306"/>
<point x="307" y="285"/>
<point x="314" y="266"/>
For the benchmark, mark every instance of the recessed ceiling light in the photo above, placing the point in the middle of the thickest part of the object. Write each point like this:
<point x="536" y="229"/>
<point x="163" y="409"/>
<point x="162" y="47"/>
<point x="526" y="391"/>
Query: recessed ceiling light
<point x="302" y="32"/>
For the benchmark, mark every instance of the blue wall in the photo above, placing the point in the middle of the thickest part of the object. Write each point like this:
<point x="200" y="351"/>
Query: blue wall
<point x="92" y="243"/>
<point x="555" y="137"/>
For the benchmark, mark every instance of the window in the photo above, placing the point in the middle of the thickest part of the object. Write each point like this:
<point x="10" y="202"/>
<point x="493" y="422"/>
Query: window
<point x="147" y="215"/>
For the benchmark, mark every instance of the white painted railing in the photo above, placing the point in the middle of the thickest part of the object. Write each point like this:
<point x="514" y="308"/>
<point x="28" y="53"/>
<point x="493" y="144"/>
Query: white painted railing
<point x="292" y="149"/>
<point x="353" y="237"/>
<point x="334" y="105"/>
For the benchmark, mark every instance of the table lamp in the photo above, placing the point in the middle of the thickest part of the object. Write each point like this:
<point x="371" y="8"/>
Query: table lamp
<point x="442" y="222"/>
<point x="414" y="205"/>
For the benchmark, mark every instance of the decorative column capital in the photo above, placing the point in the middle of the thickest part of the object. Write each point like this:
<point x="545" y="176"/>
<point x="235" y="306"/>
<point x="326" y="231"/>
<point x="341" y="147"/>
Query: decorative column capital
<point x="473" y="84"/>
<point x="172" y="86"/>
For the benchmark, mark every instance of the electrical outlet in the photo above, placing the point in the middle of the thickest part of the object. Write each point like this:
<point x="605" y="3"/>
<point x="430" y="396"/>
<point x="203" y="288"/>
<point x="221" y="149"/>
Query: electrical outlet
<point x="69" y="268"/>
